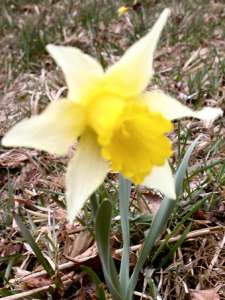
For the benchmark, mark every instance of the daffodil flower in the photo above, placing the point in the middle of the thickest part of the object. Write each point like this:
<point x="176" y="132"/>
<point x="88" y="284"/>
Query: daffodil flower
<point x="122" y="10"/>
<point x="119" y="125"/>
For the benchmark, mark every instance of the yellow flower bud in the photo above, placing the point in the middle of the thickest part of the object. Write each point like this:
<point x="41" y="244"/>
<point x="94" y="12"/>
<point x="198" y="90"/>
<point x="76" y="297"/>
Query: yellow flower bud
<point x="122" y="10"/>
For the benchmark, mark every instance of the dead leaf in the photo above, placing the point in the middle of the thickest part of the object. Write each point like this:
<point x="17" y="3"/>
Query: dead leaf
<point x="210" y="294"/>
<point x="77" y="243"/>
<point x="153" y="201"/>
<point x="15" y="158"/>
<point x="60" y="215"/>
<point x="87" y="291"/>
<point x="28" y="177"/>
<point x="35" y="282"/>
<point x="201" y="214"/>
<point x="26" y="202"/>
<point x="223" y="192"/>
<point x="90" y="253"/>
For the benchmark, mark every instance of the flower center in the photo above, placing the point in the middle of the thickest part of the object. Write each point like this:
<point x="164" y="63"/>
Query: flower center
<point x="103" y="112"/>
<point x="137" y="142"/>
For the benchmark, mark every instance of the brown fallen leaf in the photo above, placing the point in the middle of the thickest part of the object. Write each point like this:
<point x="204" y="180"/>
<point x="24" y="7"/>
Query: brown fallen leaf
<point x="29" y="176"/>
<point x="26" y="202"/>
<point x="78" y="243"/>
<point x="223" y="192"/>
<point x="15" y="158"/>
<point x="87" y="291"/>
<point x="153" y="201"/>
<point x="90" y="253"/>
<point x="210" y="294"/>
<point x="31" y="283"/>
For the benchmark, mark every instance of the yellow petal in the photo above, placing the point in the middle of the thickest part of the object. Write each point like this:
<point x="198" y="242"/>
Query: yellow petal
<point x="132" y="73"/>
<point x="85" y="173"/>
<point x="162" y="180"/>
<point x="172" y="109"/>
<point x="122" y="10"/>
<point x="103" y="113"/>
<point x="81" y="71"/>
<point x="137" y="143"/>
<point x="54" y="130"/>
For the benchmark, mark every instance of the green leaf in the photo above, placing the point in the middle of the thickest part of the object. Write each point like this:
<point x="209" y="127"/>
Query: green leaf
<point x="124" y="200"/>
<point x="152" y="288"/>
<point x="154" y="232"/>
<point x="208" y="167"/>
<point x="175" y="246"/>
<point x="8" y="270"/>
<point x="9" y="257"/>
<point x="102" y="228"/>
<point x="181" y="171"/>
<point x="4" y="292"/>
<point x="193" y="209"/>
<point x="28" y="237"/>
<point x="94" y="204"/>
<point x="94" y="277"/>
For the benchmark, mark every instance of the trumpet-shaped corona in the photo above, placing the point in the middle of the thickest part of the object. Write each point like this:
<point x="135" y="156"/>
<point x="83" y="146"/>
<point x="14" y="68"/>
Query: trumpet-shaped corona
<point x="137" y="142"/>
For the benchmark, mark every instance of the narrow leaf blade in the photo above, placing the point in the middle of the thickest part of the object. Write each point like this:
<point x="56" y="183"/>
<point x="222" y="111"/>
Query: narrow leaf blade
<point x="158" y="225"/>
<point x="181" y="171"/>
<point x="30" y="240"/>
<point x="102" y="227"/>
<point x="94" y="277"/>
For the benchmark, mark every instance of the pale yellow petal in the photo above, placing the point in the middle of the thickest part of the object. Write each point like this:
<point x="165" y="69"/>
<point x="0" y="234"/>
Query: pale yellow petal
<point x="162" y="180"/>
<point x="132" y="73"/>
<point x="81" y="71"/>
<point x="86" y="172"/>
<point x="172" y="109"/>
<point x="54" y="130"/>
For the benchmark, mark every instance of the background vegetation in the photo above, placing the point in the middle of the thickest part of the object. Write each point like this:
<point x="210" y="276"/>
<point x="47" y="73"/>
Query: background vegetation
<point x="190" y="65"/>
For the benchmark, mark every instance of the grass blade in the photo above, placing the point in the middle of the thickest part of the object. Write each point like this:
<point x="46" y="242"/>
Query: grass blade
<point x="158" y="225"/>
<point x="194" y="208"/>
<point x="181" y="170"/>
<point x="176" y="246"/>
<point x="28" y="237"/>
<point x="94" y="277"/>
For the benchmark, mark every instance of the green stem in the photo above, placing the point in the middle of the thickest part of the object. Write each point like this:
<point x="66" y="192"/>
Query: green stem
<point x="124" y="200"/>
